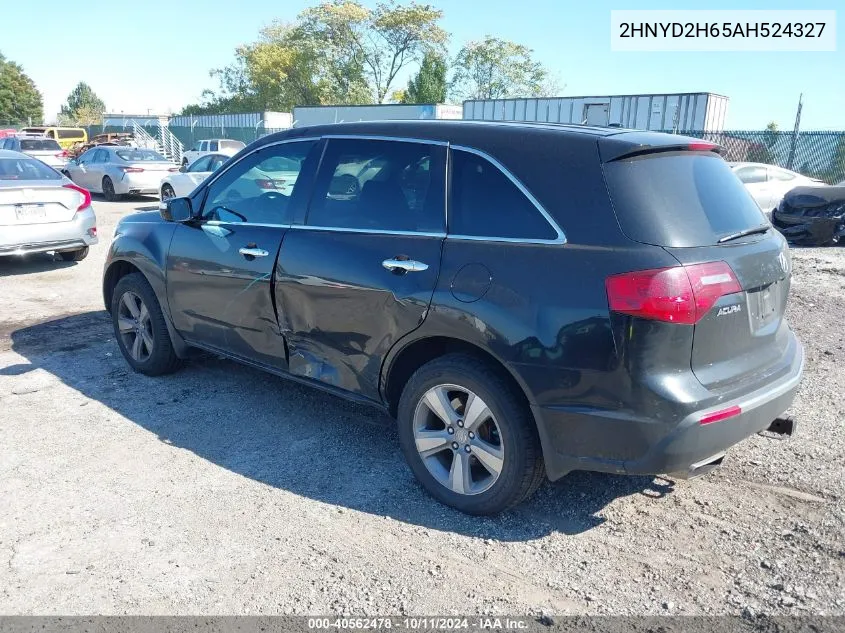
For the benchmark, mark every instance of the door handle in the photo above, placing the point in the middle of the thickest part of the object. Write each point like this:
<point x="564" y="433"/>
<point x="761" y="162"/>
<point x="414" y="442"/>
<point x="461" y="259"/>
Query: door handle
<point x="253" y="252"/>
<point x="407" y="265"/>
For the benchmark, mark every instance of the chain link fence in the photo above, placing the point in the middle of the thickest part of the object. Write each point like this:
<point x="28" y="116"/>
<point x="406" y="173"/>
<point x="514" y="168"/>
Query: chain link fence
<point x="818" y="154"/>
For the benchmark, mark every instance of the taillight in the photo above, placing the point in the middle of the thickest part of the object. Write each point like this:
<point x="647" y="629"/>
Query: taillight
<point x="62" y="154"/>
<point x="173" y="169"/>
<point x="86" y="196"/>
<point x="132" y="170"/>
<point x="264" y="183"/>
<point x="681" y="294"/>
<point x="703" y="146"/>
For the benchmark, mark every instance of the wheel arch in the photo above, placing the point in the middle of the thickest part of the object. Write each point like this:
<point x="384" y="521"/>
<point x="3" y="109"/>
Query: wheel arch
<point x="402" y="364"/>
<point x="113" y="274"/>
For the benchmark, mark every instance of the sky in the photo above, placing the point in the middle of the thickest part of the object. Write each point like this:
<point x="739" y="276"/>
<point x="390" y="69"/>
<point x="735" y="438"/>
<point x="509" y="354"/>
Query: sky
<point x="155" y="56"/>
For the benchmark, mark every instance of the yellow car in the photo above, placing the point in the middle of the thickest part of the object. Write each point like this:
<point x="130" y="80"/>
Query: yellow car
<point x="66" y="136"/>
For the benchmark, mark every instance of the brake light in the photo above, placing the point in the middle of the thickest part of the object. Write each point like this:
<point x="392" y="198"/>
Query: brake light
<point x="132" y="170"/>
<point x="62" y="154"/>
<point x="265" y="183"/>
<point x="86" y="196"/>
<point x="173" y="169"/>
<point x="720" y="415"/>
<point x="681" y="294"/>
<point x="703" y="146"/>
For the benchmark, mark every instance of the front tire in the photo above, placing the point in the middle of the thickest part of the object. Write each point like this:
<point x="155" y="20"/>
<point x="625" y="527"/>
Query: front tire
<point x="74" y="256"/>
<point x="469" y="436"/>
<point x="140" y="328"/>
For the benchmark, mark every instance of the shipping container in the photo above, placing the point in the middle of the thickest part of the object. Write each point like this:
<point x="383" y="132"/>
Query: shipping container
<point x="248" y="120"/>
<point x="317" y="115"/>
<point x="678" y="112"/>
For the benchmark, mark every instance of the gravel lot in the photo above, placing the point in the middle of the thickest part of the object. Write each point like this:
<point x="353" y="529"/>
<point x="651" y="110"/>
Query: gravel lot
<point x="223" y="490"/>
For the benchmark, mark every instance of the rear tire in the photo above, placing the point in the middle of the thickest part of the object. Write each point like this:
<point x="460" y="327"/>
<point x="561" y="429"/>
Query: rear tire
<point x="503" y="457"/>
<point x="74" y="256"/>
<point x="108" y="190"/>
<point x="140" y="328"/>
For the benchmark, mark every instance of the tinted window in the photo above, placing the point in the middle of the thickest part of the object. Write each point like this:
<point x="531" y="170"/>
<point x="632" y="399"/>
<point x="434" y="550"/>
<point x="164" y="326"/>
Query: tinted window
<point x="212" y="146"/>
<point x="679" y="199"/>
<point x="484" y="202"/>
<point x="87" y="157"/>
<point x="750" y="175"/>
<point x="252" y="190"/>
<point x="38" y="144"/>
<point x="200" y="164"/>
<point x="26" y="169"/>
<point x="135" y="155"/>
<point x="102" y="156"/>
<point x="203" y="146"/>
<point x="70" y="133"/>
<point x="380" y="185"/>
<point x="780" y="174"/>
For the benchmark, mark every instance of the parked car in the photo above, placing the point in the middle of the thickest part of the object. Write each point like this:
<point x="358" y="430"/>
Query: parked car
<point x="44" y="149"/>
<point x="41" y="210"/>
<point x="767" y="184"/>
<point x="598" y="299"/>
<point x="225" y="146"/>
<point x="66" y="137"/>
<point x="118" y="171"/>
<point x="126" y="139"/>
<point x="813" y="216"/>
<point x="184" y="182"/>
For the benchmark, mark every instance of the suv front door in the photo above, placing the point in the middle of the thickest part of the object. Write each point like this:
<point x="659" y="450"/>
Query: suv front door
<point x="358" y="273"/>
<point x="220" y="269"/>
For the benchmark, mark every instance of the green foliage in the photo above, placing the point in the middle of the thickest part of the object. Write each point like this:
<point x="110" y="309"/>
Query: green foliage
<point x="20" y="100"/>
<point x="494" y="69"/>
<point x="429" y="86"/>
<point x="83" y="106"/>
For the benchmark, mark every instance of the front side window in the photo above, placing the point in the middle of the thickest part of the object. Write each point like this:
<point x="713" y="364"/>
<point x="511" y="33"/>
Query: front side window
<point x="381" y="186"/>
<point x="102" y="156"/>
<point x="203" y="146"/>
<point x="200" y="165"/>
<point x="196" y="146"/>
<point x="485" y="202"/>
<point x="259" y="187"/>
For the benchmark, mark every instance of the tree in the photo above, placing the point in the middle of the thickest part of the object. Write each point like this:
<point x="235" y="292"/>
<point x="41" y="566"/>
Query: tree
<point x="83" y="106"/>
<point x="20" y="101"/>
<point x="494" y="69"/>
<point x="381" y="42"/>
<point x="429" y="86"/>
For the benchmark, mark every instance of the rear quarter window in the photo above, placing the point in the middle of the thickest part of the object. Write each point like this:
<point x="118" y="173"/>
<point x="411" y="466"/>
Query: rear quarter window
<point x="679" y="199"/>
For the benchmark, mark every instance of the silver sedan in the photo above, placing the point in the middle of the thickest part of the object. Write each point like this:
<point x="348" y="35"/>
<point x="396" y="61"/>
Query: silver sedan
<point x="116" y="171"/>
<point x="41" y="210"/>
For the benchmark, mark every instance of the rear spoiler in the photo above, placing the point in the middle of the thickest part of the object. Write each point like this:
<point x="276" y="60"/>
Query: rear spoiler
<point x="630" y="144"/>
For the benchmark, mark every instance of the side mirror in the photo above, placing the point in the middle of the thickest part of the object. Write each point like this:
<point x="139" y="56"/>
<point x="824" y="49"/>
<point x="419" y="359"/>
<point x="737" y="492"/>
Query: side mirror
<point x="176" y="210"/>
<point x="183" y="169"/>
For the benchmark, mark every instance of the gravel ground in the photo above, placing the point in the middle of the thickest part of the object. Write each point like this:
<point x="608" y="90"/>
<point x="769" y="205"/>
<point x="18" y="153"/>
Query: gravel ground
<point x="223" y="490"/>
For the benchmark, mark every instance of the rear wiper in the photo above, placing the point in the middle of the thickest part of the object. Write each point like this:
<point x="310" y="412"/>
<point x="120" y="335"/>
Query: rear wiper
<point x="735" y="236"/>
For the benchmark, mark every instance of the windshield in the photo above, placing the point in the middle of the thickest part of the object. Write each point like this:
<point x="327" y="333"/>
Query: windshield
<point x="26" y="169"/>
<point x="680" y="199"/>
<point x="136" y="155"/>
<point x="36" y="144"/>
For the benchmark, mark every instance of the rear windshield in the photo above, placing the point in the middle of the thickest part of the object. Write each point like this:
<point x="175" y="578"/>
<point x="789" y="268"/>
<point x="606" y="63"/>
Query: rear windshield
<point x="679" y="199"/>
<point x="26" y="169"/>
<point x="231" y="145"/>
<point x="134" y="155"/>
<point x="36" y="144"/>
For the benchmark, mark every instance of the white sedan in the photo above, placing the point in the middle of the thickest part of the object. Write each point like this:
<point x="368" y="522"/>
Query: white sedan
<point x="183" y="183"/>
<point x="768" y="184"/>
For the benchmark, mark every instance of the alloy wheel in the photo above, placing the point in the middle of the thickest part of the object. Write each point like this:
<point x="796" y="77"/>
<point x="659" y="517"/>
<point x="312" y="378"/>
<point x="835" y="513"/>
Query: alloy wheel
<point x="135" y="326"/>
<point x="458" y="438"/>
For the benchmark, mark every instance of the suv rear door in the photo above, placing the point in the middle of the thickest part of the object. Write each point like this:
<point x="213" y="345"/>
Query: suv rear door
<point x="358" y="273"/>
<point x="691" y="204"/>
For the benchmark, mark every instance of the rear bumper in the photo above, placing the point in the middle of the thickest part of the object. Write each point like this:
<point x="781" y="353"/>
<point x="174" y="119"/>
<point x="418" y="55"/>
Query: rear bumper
<point x="131" y="185"/>
<point x="684" y="443"/>
<point x="53" y="236"/>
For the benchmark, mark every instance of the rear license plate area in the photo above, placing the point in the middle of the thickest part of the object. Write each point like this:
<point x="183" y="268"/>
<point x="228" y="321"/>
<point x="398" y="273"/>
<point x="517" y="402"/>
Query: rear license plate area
<point x="763" y="306"/>
<point x="30" y="212"/>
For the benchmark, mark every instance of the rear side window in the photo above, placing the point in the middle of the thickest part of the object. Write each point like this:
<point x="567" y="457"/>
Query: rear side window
<point x="212" y="146"/>
<point x="231" y="145"/>
<point x="26" y="169"/>
<point x="38" y="144"/>
<point x="134" y="155"/>
<point x="780" y="174"/>
<point x="679" y="199"/>
<point x="380" y="186"/>
<point x="750" y="175"/>
<point x="70" y="134"/>
<point x="485" y="203"/>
